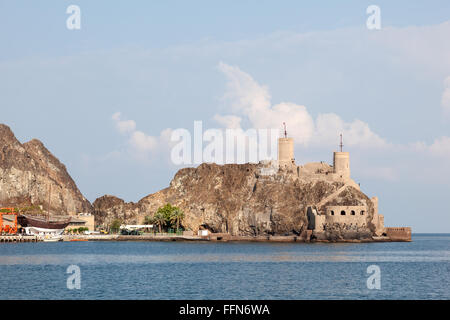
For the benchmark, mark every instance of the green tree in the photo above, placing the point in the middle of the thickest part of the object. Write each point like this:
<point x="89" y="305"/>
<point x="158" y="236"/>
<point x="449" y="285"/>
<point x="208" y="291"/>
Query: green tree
<point x="176" y="216"/>
<point x="115" y="225"/>
<point x="159" y="219"/>
<point x="149" y="220"/>
<point x="168" y="215"/>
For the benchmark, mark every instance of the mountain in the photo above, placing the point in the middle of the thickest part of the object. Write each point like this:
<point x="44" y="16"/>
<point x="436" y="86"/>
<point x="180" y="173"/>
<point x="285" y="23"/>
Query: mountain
<point x="27" y="173"/>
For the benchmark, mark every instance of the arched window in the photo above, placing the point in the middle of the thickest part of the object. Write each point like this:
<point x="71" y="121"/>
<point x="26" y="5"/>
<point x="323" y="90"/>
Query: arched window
<point x="362" y="212"/>
<point x="342" y="213"/>
<point x="353" y="212"/>
<point x="332" y="212"/>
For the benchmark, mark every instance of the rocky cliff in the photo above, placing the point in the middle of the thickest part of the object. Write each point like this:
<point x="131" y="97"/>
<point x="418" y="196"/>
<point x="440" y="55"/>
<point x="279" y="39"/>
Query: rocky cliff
<point x="240" y="200"/>
<point x="29" y="170"/>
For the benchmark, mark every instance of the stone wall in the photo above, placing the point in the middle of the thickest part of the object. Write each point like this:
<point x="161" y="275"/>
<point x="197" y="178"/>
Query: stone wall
<point x="355" y="216"/>
<point x="399" y="234"/>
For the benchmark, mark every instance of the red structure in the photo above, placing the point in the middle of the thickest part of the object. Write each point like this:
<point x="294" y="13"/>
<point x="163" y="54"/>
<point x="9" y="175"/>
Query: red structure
<point x="7" y="228"/>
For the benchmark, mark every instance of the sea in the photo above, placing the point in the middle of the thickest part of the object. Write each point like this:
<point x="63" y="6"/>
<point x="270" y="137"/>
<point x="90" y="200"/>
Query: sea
<point x="230" y="270"/>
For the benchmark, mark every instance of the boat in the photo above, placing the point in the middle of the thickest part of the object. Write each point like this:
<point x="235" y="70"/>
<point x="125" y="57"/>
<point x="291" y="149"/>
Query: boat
<point x="42" y="222"/>
<point x="43" y="226"/>
<point x="52" y="238"/>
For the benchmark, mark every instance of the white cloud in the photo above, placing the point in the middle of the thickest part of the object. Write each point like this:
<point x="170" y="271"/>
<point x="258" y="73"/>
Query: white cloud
<point x="142" y="142"/>
<point x="229" y="122"/>
<point x="356" y="133"/>
<point x="251" y="104"/>
<point x="245" y="93"/>
<point x="142" y="146"/>
<point x="124" y="126"/>
<point x="253" y="101"/>
<point x="445" y="101"/>
<point x="439" y="148"/>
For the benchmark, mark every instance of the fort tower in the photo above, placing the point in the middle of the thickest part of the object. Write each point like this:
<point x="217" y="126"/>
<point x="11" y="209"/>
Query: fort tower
<point x="341" y="162"/>
<point x="285" y="150"/>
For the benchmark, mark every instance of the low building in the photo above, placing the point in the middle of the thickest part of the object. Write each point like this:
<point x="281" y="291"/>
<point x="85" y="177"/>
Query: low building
<point x="82" y="220"/>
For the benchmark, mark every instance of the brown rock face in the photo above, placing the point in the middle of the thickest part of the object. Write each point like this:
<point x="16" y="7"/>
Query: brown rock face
<point x="237" y="199"/>
<point x="28" y="170"/>
<point x="108" y="208"/>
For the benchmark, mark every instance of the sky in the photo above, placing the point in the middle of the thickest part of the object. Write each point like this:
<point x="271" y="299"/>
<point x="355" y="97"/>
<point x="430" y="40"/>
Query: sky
<point x="106" y="98"/>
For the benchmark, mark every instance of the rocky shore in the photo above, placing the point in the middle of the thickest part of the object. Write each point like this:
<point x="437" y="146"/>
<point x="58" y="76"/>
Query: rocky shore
<point x="214" y="238"/>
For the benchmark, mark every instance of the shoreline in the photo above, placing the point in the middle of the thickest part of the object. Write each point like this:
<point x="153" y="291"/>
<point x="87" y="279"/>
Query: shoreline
<point x="211" y="238"/>
<point x="228" y="238"/>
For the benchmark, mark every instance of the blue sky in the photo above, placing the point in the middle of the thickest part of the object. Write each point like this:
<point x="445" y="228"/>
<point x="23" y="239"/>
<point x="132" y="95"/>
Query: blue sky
<point x="163" y="65"/>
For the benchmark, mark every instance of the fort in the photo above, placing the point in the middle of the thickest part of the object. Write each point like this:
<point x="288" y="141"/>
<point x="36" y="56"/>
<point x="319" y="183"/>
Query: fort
<point x="348" y="218"/>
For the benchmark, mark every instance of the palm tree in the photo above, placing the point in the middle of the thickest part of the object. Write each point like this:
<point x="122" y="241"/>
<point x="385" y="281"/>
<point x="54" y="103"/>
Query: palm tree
<point x="176" y="216"/>
<point x="149" y="220"/>
<point x="159" y="219"/>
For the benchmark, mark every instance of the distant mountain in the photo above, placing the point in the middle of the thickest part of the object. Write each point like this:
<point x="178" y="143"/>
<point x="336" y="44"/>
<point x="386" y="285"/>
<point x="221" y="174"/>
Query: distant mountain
<point x="29" y="170"/>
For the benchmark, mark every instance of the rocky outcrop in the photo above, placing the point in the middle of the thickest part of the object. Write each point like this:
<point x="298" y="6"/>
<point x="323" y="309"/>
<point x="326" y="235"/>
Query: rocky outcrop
<point x="108" y="208"/>
<point x="27" y="173"/>
<point x="238" y="199"/>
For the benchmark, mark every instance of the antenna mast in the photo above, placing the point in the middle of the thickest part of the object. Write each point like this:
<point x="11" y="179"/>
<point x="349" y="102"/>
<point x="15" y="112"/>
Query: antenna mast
<point x="285" y="132"/>
<point x="341" y="145"/>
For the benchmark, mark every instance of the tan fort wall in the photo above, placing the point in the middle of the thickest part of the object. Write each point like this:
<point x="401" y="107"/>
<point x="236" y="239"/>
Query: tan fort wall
<point x="399" y="234"/>
<point x="346" y="214"/>
<point x="354" y="215"/>
<point x="378" y="219"/>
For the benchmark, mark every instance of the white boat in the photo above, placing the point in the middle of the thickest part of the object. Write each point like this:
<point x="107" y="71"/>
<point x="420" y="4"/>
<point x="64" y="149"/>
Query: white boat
<point x="47" y="235"/>
<point x="43" y="231"/>
<point x="52" y="239"/>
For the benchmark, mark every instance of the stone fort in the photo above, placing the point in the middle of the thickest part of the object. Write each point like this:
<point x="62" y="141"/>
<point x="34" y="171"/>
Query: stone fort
<point x="323" y="217"/>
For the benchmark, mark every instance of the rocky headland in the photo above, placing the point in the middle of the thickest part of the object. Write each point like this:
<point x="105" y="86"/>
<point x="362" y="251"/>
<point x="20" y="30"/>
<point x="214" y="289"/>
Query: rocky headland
<point x="237" y="199"/>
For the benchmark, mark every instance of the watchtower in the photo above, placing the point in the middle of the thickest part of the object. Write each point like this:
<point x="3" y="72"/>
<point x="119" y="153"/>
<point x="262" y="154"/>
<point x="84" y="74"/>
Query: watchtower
<point x="285" y="150"/>
<point x="341" y="162"/>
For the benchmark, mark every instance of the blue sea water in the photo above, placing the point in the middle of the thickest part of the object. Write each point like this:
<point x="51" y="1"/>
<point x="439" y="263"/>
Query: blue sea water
<point x="207" y="270"/>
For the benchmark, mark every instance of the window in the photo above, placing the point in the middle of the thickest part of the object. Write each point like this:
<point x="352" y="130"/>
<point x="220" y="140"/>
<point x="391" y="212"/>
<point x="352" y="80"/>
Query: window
<point x="353" y="212"/>
<point x="342" y="213"/>
<point x="362" y="212"/>
<point x="332" y="212"/>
